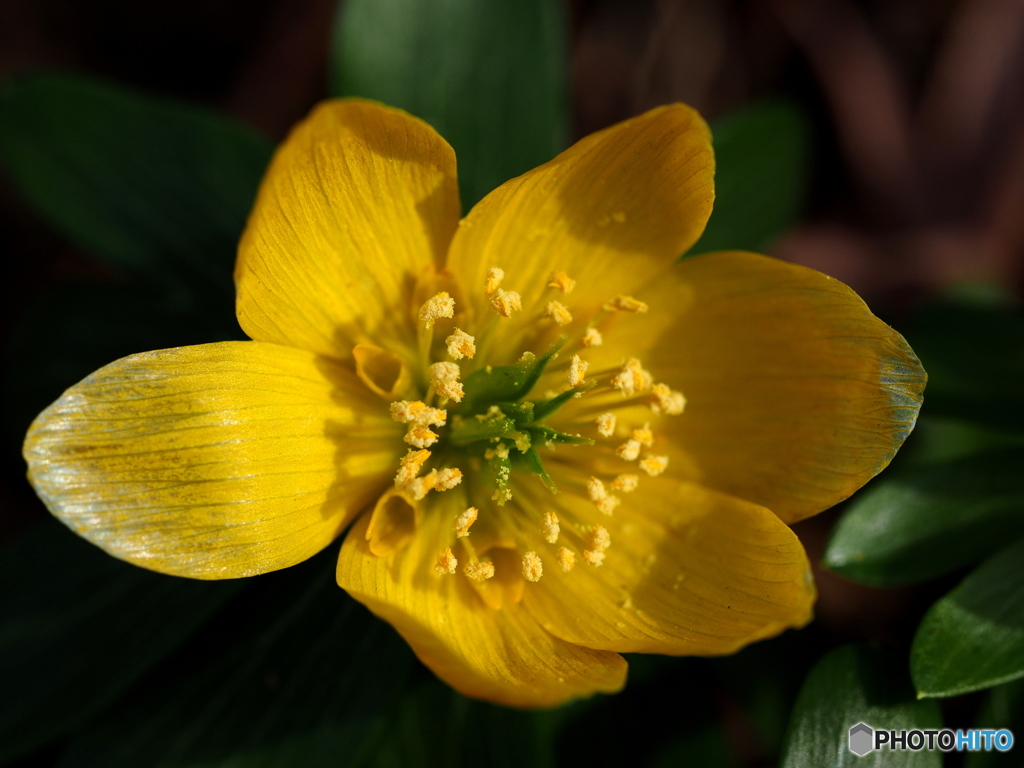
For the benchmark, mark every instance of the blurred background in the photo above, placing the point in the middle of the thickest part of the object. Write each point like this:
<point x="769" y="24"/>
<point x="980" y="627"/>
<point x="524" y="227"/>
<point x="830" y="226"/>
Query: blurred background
<point x="915" y="189"/>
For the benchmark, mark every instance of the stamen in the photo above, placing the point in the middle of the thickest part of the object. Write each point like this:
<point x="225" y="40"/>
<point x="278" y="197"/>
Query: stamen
<point x="644" y="435"/>
<point x="506" y="302"/>
<point x="445" y="379"/>
<point x="441" y="305"/>
<point x="479" y="570"/>
<point x="606" y="424"/>
<point x="595" y="489"/>
<point x="533" y="568"/>
<point x="410" y="466"/>
<point x="465" y="521"/>
<point x="629" y="450"/>
<point x="668" y="400"/>
<point x="448" y="478"/>
<point x="446" y="562"/>
<point x="494" y="277"/>
<point x="561" y="281"/>
<point x="460" y="344"/>
<point x="577" y="370"/>
<point x="557" y="312"/>
<point x="625" y="483"/>
<point x="592" y="337"/>
<point x="654" y="465"/>
<point x="625" y="304"/>
<point x="418" y="413"/>
<point x="597" y="542"/>
<point x="550" y="527"/>
<point x="420" y="437"/>
<point x="566" y="559"/>
<point x="608" y="504"/>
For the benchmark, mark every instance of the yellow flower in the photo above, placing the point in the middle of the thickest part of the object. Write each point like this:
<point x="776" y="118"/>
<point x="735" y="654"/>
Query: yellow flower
<point x="433" y="380"/>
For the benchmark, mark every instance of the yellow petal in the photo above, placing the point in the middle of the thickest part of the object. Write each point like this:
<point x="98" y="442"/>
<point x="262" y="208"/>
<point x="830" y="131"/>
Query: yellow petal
<point x="611" y="212"/>
<point x="216" y="461"/>
<point x="688" y="571"/>
<point x="796" y="394"/>
<point x="358" y="200"/>
<point x="500" y="655"/>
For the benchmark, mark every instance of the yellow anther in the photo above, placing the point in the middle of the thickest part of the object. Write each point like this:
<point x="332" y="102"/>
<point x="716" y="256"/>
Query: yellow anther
<point x="479" y="570"/>
<point x="460" y="344"/>
<point x="595" y="489"/>
<point x="506" y="302"/>
<point x="608" y="504"/>
<point x="550" y="527"/>
<point x="632" y="378"/>
<point x="625" y="304"/>
<point x="566" y="559"/>
<point x="598" y="541"/>
<point x="445" y="379"/>
<point x="625" y="483"/>
<point x="629" y="450"/>
<point x="592" y="337"/>
<point x="561" y="281"/>
<point x="654" y="465"/>
<point x="465" y="521"/>
<point x="644" y="435"/>
<point x="419" y="487"/>
<point x="533" y="568"/>
<point x="668" y="400"/>
<point x="557" y="312"/>
<point x="441" y="305"/>
<point x="494" y="278"/>
<point x="420" y="437"/>
<point x="577" y="370"/>
<point x="447" y="478"/>
<point x="410" y="466"/>
<point x="418" y="413"/>
<point x="446" y="562"/>
<point x="606" y="424"/>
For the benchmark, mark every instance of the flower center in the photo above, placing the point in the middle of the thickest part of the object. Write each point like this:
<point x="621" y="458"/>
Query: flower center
<point x="493" y="424"/>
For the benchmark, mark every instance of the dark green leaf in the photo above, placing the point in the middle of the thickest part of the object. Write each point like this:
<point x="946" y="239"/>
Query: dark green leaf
<point x="856" y="684"/>
<point x="761" y="157"/>
<point x="973" y="638"/>
<point x="919" y="523"/>
<point x="975" y="362"/>
<point x="434" y="726"/>
<point x="490" y="75"/>
<point x="155" y="188"/>
<point x="494" y="384"/>
<point x="938" y="439"/>
<point x="78" y="627"/>
<point x="1003" y="708"/>
<point x="294" y="674"/>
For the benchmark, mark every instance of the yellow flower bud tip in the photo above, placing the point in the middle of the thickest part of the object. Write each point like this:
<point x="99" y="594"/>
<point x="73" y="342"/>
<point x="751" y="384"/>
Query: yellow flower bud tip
<point x="465" y="521"/>
<point x="494" y="277"/>
<point x="566" y="559"/>
<point x="444" y="377"/>
<point x="625" y="304"/>
<point x="446" y="563"/>
<point x="550" y="527"/>
<point x="460" y="344"/>
<point x="625" y="483"/>
<point x="479" y="570"/>
<point x="558" y="312"/>
<point x="644" y="435"/>
<point x="592" y="337"/>
<point x="577" y="370"/>
<point x="606" y="424"/>
<point x="558" y="279"/>
<point x="533" y="568"/>
<point x="654" y="465"/>
<point x="433" y="309"/>
<point x="506" y="302"/>
<point x="629" y="450"/>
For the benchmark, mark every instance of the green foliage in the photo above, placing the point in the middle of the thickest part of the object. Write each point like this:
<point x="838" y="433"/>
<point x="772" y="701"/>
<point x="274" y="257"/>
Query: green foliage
<point x="916" y="524"/>
<point x="761" y="167"/>
<point x="973" y="638"/>
<point x="78" y="627"/>
<point x="490" y="75"/>
<point x="853" y="684"/>
<point x="294" y="673"/>
<point x="152" y="188"/>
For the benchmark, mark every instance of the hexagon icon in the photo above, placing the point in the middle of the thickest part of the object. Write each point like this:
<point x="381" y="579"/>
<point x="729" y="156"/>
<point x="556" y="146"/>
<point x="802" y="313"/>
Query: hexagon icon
<point x="862" y="738"/>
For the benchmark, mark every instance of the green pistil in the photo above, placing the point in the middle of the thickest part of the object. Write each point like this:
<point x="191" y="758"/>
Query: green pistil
<point x="495" y="422"/>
